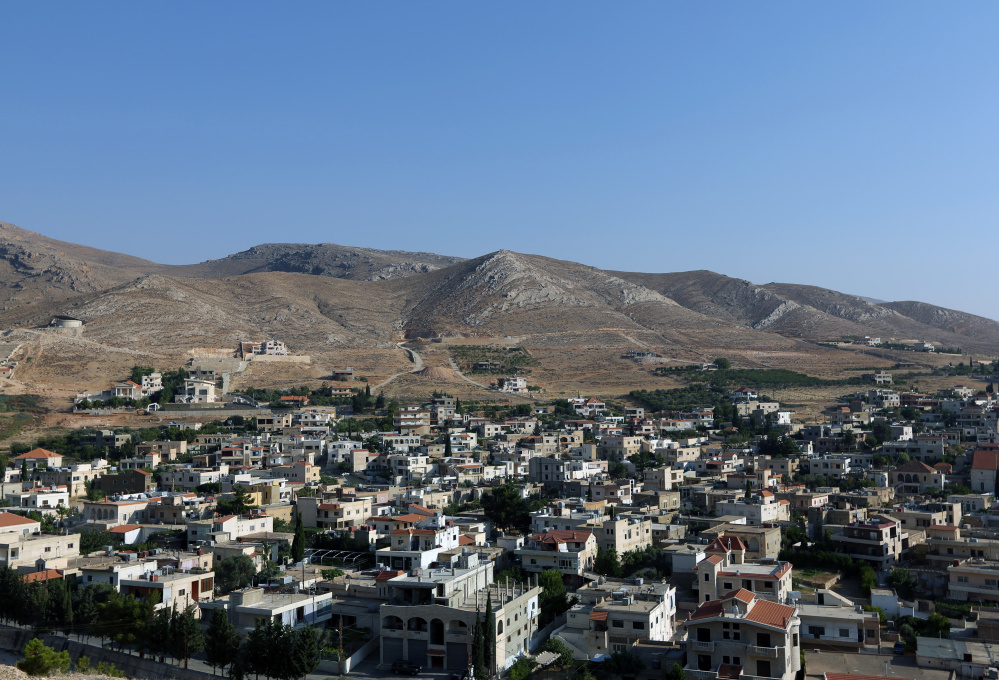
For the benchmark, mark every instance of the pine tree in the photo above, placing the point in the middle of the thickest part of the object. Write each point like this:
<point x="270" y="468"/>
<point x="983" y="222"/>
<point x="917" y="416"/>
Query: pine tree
<point x="306" y="652"/>
<point x="221" y="641"/>
<point x="298" y="542"/>
<point x="489" y="637"/>
<point x="478" y="648"/>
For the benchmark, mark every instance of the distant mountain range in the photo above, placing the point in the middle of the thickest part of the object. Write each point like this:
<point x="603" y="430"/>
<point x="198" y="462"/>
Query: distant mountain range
<point x="326" y="294"/>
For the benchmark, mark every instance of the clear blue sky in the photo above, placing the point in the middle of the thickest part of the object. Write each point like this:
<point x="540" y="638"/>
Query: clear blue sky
<point x="848" y="145"/>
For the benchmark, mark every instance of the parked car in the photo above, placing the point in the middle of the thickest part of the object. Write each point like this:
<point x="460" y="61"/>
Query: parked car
<point x="899" y="647"/>
<point x="405" y="668"/>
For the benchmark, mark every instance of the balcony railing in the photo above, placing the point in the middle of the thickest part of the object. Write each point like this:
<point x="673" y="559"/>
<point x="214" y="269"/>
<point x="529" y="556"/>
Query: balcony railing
<point x="693" y="674"/>
<point x="699" y="646"/>
<point x="770" y="652"/>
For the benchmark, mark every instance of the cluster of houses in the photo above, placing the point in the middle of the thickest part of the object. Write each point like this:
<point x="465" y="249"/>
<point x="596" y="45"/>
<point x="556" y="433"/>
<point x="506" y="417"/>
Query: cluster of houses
<point x="720" y="600"/>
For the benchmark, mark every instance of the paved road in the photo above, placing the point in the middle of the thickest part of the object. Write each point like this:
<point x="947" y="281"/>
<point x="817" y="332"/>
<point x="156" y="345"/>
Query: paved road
<point x="413" y="356"/>
<point x="454" y="367"/>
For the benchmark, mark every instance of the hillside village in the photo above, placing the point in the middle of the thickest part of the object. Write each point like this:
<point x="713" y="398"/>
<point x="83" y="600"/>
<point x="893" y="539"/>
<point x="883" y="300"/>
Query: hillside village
<point x="720" y="538"/>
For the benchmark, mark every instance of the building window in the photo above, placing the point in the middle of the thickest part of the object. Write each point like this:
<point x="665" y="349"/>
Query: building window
<point x="617" y="624"/>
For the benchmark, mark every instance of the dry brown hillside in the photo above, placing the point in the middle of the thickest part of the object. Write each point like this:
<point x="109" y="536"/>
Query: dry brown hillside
<point x="351" y="306"/>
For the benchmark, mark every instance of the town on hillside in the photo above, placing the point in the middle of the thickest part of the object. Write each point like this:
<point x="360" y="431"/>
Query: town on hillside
<point x="705" y="532"/>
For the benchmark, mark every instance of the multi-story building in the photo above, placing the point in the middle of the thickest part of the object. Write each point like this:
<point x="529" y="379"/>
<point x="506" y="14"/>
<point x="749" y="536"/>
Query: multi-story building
<point x="878" y="541"/>
<point x="742" y="635"/>
<point x="570" y="552"/>
<point x="250" y="606"/>
<point x="37" y="459"/>
<point x="11" y="523"/>
<point x="761" y="542"/>
<point x="975" y="580"/>
<point x="34" y="551"/>
<point x="74" y="477"/>
<point x="430" y="615"/>
<point x="412" y="420"/>
<point x="761" y="509"/>
<point x="662" y="479"/>
<point x="623" y="535"/>
<point x="334" y="514"/>
<point x="125" y="482"/>
<point x="615" y="615"/>
<point x="724" y="570"/>
<point x="173" y="588"/>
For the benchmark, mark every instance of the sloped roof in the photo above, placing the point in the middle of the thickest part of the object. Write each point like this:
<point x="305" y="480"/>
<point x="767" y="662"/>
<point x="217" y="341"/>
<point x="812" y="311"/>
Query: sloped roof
<point x="388" y="574"/>
<point x="562" y="536"/>
<point x="43" y="575"/>
<point x="914" y="466"/>
<point x="37" y="453"/>
<point x="770" y="613"/>
<point x="10" y="519"/>
<point x="124" y="528"/>
<point x="985" y="460"/>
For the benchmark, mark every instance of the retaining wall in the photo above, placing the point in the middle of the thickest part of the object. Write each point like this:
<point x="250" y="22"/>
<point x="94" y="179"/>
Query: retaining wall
<point x="15" y="639"/>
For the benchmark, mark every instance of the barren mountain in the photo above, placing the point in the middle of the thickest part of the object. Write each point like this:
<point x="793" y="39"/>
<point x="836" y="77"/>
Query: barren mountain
<point x="325" y="298"/>
<point x="324" y="259"/>
<point x="817" y="313"/>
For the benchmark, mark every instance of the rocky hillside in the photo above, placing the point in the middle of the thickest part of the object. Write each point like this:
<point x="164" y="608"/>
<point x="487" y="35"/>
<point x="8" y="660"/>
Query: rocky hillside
<point x="324" y="259"/>
<point x="321" y="296"/>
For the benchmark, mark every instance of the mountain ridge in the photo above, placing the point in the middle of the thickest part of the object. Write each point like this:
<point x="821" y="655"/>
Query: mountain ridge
<point x="347" y="294"/>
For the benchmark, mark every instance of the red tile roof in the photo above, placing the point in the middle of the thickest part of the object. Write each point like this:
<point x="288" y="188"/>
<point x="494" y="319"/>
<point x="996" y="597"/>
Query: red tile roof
<point x="985" y="460"/>
<point x="770" y="613"/>
<point x="914" y="466"/>
<point x="124" y="528"/>
<point x="465" y="540"/>
<point x="741" y="594"/>
<point x="37" y="453"/>
<point x="10" y="519"/>
<point x="561" y="536"/>
<point x="708" y="610"/>
<point x="43" y="575"/>
<point x="388" y="574"/>
<point x="598" y="616"/>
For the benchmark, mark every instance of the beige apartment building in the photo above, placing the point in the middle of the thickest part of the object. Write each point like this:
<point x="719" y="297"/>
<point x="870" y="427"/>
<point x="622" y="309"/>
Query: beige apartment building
<point x="743" y="636"/>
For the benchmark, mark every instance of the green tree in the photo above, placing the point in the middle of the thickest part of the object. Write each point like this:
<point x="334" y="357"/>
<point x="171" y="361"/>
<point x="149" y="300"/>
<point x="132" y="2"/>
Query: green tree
<point x="221" y="641"/>
<point x="489" y="636"/>
<point x="306" y="652"/>
<point x="554" y="598"/>
<point x="234" y="572"/>
<point x="478" y="648"/>
<point x="42" y="660"/>
<point x="607" y="563"/>
<point x="868" y="579"/>
<point x="723" y="364"/>
<point x="522" y="668"/>
<point x="298" y="542"/>
<point x="676" y="672"/>
<point x="903" y="582"/>
<point x="556" y="646"/>
<point x="506" y="508"/>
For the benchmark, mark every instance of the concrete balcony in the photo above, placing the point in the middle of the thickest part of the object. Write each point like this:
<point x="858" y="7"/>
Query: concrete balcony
<point x="697" y="646"/>
<point x="769" y="652"/>
<point x="693" y="674"/>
